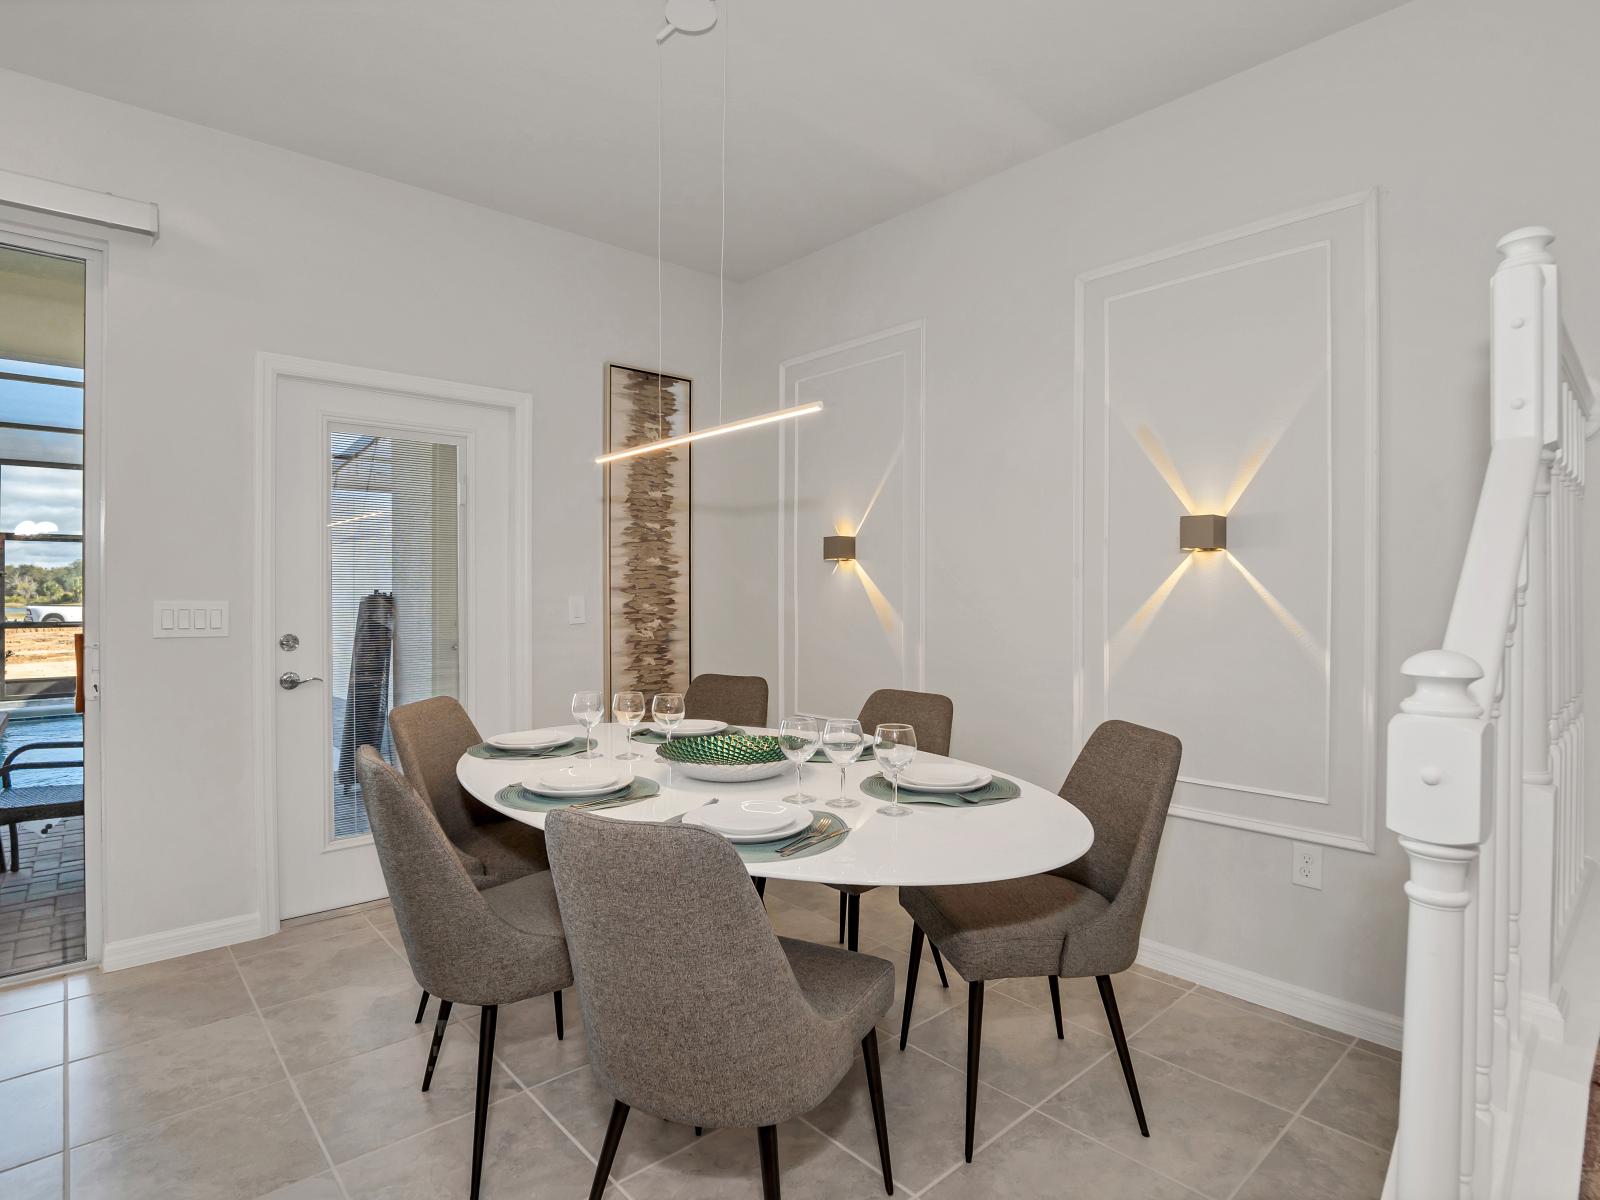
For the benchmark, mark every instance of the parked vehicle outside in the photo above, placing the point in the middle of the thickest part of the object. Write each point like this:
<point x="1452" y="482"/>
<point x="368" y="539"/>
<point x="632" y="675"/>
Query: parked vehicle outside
<point x="55" y="614"/>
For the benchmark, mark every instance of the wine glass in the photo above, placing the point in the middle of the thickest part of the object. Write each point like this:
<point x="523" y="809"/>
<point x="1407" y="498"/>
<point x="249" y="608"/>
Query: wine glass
<point x="842" y="742"/>
<point x="667" y="709"/>
<point x="587" y="709"/>
<point x="896" y="746"/>
<point x="628" y="709"/>
<point x="798" y="738"/>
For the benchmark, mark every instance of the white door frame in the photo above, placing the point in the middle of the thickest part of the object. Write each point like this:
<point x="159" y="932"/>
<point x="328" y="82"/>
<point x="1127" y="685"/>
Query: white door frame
<point x="95" y="253"/>
<point x="270" y="368"/>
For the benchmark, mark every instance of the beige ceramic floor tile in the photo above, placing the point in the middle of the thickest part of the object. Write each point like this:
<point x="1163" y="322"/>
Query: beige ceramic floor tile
<point x="1020" y="1053"/>
<point x="375" y="1099"/>
<point x="155" y="1005"/>
<point x="1236" y="1046"/>
<point x="30" y="1040"/>
<point x="318" y="1187"/>
<point x="924" y="1104"/>
<point x="1140" y="999"/>
<point x="30" y="1115"/>
<point x="525" y="1155"/>
<point x="1262" y="1010"/>
<point x="583" y="1108"/>
<point x="525" y="1039"/>
<point x="168" y="971"/>
<point x="1361" y="1098"/>
<point x="726" y="1165"/>
<point x="932" y="998"/>
<point x="1200" y="1132"/>
<point x="328" y="1026"/>
<point x="299" y="935"/>
<point x="38" y="1180"/>
<point x="1037" y="1159"/>
<point x="1313" y="1163"/>
<point x="361" y="956"/>
<point x="1381" y="1051"/>
<point x="31" y="995"/>
<point x="237" y="1149"/>
<point x="148" y="1082"/>
<point x="1182" y="985"/>
<point x="804" y="923"/>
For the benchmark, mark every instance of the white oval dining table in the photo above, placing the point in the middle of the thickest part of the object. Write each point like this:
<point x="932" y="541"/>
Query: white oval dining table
<point x="1035" y="832"/>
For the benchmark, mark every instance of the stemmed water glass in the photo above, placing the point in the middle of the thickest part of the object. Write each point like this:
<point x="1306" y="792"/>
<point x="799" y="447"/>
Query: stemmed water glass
<point x="896" y="746"/>
<point x="798" y="738"/>
<point x="628" y="709"/>
<point x="667" y="709"/>
<point x="842" y="742"/>
<point x="587" y="709"/>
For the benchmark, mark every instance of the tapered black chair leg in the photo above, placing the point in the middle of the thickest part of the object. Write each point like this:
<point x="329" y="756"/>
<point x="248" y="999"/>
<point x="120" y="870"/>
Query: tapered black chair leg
<point x="761" y="887"/>
<point x="844" y="906"/>
<point x="438" y="1039"/>
<point x="767" y="1139"/>
<point x="608" y="1152"/>
<point x="698" y="1131"/>
<point x="480" y="1118"/>
<point x="938" y="962"/>
<point x="1114" y="1019"/>
<point x="852" y="933"/>
<point x="974" y="1041"/>
<point x="422" y="1009"/>
<point x="561" y="1021"/>
<point x="1055" y="1003"/>
<point x="869" y="1055"/>
<point x="912" y="964"/>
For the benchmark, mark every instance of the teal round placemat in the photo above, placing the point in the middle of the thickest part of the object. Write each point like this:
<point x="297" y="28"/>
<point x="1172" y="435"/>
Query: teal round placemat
<point x="765" y="852"/>
<point x="651" y="738"/>
<point x="821" y="756"/>
<point x="575" y="746"/>
<point x="996" y="791"/>
<point x="517" y="796"/>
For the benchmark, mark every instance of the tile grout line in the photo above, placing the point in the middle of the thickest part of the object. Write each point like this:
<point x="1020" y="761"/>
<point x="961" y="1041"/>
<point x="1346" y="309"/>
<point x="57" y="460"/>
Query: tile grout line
<point x="1256" y="1166"/>
<point x="66" y="1097"/>
<point x="289" y="1078"/>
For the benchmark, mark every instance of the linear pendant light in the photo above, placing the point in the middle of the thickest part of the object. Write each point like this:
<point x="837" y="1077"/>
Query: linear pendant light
<point x="700" y="22"/>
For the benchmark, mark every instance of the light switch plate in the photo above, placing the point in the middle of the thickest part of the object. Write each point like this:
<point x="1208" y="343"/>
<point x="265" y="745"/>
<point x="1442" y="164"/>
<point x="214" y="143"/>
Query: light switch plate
<point x="191" y="618"/>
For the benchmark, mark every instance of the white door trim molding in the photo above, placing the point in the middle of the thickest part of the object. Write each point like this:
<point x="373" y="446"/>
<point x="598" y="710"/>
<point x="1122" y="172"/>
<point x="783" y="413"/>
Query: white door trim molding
<point x="1363" y="839"/>
<point x="270" y="368"/>
<point x="95" y="254"/>
<point x="915" y="652"/>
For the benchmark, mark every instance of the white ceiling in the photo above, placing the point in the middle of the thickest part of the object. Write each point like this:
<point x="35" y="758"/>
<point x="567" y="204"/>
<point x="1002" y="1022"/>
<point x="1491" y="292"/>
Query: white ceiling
<point x="843" y="112"/>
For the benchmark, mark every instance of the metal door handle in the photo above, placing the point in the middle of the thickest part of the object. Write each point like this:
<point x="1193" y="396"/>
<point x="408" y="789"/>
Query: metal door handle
<point x="290" y="680"/>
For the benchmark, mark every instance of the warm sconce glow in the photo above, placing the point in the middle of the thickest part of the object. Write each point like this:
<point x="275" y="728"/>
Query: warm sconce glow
<point x="1206" y="531"/>
<point x="1302" y="637"/>
<point x="838" y="547"/>
<point x="695" y="435"/>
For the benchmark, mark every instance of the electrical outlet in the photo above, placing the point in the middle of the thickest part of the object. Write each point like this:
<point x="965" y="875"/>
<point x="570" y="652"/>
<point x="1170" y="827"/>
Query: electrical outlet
<point x="1306" y="866"/>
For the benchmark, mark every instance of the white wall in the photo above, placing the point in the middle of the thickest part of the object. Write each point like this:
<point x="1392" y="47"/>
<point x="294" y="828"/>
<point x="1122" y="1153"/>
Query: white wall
<point x="265" y="250"/>
<point x="1471" y="117"/>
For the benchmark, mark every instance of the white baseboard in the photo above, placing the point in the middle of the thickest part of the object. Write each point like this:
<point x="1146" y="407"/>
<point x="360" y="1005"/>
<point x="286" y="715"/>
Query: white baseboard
<point x="172" y="943"/>
<point x="1343" y="1016"/>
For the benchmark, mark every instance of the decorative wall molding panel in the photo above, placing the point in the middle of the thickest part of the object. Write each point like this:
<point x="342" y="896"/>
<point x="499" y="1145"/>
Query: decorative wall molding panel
<point x="856" y="469"/>
<point x="1237" y="376"/>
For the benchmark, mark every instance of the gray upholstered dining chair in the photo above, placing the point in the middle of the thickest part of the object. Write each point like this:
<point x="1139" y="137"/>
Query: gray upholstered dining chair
<point x="932" y="716"/>
<point x="429" y="736"/>
<point x="466" y="945"/>
<point x="736" y="699"/>
<point x="695" y="1010"/>
<point x="1082" y="919"/>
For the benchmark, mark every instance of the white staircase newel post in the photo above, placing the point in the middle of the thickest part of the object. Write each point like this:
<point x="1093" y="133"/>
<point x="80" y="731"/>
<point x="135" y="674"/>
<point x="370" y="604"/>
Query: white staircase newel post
<point x="1440" y="787"/>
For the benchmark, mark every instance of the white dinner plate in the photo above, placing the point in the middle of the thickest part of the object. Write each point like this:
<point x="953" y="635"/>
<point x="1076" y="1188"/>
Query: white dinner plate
<point x="531" y="739"/>
<point x="943" y="777"/>
<point x="575" y="781"/>
<point x="695" y="728"/>
<point x="750" y="820"/>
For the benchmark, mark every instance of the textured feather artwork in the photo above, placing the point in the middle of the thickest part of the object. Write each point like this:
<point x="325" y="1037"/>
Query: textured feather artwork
<point x="647" y="529"/>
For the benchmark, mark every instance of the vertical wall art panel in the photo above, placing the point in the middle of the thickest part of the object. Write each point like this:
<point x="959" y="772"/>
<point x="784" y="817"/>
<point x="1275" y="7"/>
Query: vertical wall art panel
<point x="849" y="627"/>
<point x="647" y="534"/>
<point x="1236" y="376"/>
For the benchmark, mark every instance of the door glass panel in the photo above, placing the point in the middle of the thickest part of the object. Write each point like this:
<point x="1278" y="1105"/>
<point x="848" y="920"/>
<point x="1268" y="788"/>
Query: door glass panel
<point x="395" y="576"/>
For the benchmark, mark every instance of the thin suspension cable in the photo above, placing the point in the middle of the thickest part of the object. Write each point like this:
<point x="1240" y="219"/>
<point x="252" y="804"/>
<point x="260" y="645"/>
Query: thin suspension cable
<point x="661" y="71"/>
<point x="722" y="248"/>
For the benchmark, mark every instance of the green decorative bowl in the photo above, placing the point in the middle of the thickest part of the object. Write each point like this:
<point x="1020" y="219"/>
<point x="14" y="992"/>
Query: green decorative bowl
<point x="725" y="757"/>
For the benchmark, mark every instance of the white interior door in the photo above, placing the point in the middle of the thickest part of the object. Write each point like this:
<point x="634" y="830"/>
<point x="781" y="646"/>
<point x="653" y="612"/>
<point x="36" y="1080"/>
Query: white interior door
<point x="393" y="581"/>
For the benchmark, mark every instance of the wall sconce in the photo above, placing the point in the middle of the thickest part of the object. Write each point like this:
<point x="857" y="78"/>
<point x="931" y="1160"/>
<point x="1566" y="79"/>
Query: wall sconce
<point x="839" y="547"/>
<point x="1208" y="532"/>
